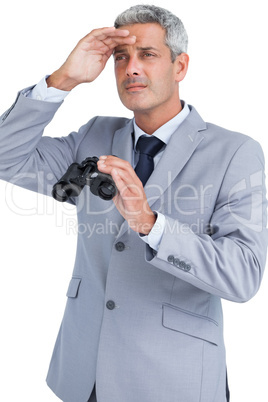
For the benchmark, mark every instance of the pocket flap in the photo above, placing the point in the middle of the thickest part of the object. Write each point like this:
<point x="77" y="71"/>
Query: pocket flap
<point x="73" y="287"/>
<point x="191" y="324"/>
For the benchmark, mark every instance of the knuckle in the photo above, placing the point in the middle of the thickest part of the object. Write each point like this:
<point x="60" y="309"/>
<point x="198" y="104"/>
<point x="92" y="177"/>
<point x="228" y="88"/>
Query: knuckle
<point x="128" y="165"/>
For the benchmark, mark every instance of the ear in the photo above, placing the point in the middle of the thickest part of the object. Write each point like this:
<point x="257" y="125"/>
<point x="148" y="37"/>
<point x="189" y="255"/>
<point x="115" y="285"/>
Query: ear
<point x="181" y="66"/>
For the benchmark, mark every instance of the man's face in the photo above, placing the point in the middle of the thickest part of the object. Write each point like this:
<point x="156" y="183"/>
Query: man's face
<point x="145" y="75"/>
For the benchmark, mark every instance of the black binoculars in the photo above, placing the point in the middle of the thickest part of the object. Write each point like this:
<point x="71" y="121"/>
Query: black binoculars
<point x="79" y="175"/>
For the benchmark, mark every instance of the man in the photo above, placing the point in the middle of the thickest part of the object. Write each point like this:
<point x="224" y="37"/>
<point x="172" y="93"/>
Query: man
<point x="143" y="320"/>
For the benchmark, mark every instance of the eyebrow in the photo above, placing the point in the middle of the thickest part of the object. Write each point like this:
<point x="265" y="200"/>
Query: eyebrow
<point x="138" y="48"/>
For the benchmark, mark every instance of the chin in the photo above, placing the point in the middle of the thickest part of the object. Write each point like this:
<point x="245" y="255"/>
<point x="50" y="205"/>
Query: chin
<point x="134" y="102"/>
<point x="137" y="106"/>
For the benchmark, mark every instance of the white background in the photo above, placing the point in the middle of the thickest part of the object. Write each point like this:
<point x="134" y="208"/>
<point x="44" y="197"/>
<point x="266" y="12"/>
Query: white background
<point x="226" y="82"/>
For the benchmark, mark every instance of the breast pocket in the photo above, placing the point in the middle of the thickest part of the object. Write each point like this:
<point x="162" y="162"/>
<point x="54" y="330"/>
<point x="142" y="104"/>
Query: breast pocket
<point x="191" y="324"/>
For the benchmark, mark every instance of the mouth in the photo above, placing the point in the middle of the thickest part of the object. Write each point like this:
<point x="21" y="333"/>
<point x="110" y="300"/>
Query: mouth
<point x="135" y="87"/>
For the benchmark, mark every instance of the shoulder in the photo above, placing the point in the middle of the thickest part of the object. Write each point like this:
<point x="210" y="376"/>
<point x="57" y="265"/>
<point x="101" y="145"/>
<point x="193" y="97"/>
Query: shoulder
<point x="220" y="146"/>
<point x="97" y="135"/>
<point x="220" y="140"/>
<point x="110" y="123"/>
<point x="223" y="135"/>
<point x="103" y="127"/>
<point x="233" y="143"/>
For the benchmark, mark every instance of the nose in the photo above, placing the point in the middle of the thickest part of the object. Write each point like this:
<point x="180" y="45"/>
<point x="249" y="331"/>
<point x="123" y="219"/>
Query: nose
<point x="133" y="67"/>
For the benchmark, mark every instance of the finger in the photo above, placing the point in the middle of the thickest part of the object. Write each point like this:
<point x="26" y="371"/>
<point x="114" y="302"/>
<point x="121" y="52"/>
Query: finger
<point x="114" y="160"/>
<point x="103" y="33"/>
<point x="113" y="42"/>
<point x="129" y="191"/>
<point x="124" y="176"/>
<point x="115" y="33"/>
<point x="100" y="31"/>
<point x="120" y="184"/>
<point x="109" y="53"/>
<point x="121" y="171"/>
<point x="108" y="162"/>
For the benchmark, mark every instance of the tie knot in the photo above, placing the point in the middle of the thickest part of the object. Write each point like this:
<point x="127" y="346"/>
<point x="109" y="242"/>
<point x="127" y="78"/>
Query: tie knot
<point x="149" y="145"/>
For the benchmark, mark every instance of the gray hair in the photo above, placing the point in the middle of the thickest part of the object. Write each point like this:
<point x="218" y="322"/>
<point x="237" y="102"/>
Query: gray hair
<point x="176" y="35"/>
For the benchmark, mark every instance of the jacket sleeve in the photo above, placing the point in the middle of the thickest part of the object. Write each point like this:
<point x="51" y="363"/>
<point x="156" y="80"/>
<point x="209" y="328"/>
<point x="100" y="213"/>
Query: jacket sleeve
<point x="230" y="261"/>
<point x="27" y="158"/>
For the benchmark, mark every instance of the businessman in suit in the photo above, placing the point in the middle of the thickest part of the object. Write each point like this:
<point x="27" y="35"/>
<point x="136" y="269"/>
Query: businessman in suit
<point x="143" y="320"/>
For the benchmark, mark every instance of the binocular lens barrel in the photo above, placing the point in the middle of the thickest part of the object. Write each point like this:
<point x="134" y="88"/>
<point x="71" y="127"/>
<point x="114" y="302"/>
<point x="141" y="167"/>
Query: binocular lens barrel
<point x="62" y="191"/>
<point x="106" y="191"/>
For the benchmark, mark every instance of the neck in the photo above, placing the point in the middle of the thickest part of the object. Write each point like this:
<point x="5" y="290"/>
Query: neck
<point x="150" y="120"/>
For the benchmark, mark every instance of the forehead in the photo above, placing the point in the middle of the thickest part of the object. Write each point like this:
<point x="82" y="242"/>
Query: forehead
<point x="149" y="34"/>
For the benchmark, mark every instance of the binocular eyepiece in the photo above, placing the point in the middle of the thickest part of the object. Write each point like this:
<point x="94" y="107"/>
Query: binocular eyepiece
<point x="79" y="175"/>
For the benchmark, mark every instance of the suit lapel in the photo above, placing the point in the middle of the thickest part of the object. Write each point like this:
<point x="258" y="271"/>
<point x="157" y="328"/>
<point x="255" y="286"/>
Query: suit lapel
<point x="123" y="143"/>
<point x="178" y="151"/>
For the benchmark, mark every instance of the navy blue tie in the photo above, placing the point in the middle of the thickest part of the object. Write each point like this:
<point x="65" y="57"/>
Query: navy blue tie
<point x="148" y="147"/>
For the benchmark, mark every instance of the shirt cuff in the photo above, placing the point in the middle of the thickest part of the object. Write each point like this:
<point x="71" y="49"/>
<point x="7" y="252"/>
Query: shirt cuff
<point x="42" y="92"/>
<point x="155" y="236"/>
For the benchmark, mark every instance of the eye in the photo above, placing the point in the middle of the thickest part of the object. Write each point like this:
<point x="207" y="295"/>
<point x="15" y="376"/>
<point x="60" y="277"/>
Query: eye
<point x="147" y="54"/>
<point x="120" y="57"/>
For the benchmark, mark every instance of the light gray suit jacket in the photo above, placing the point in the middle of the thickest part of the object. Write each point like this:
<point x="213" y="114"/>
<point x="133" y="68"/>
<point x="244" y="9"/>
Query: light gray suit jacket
<point x="147" y="326"/>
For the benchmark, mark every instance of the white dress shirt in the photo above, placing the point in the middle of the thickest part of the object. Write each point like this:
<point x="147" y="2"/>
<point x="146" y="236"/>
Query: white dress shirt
<point x="42" y="92"/>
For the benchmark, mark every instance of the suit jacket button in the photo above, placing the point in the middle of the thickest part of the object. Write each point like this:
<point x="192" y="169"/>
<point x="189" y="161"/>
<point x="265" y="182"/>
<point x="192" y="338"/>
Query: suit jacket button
<point x="170" y="258"/>
<point x="176" y="262"/>
<point x="110" y="304"/>
<point x="182" y="265"/>
<point x="120" y="246"/>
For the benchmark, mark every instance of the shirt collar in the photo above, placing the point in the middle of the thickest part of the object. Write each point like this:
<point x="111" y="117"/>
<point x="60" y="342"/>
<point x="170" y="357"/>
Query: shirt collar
<point x="165" y="132"/>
